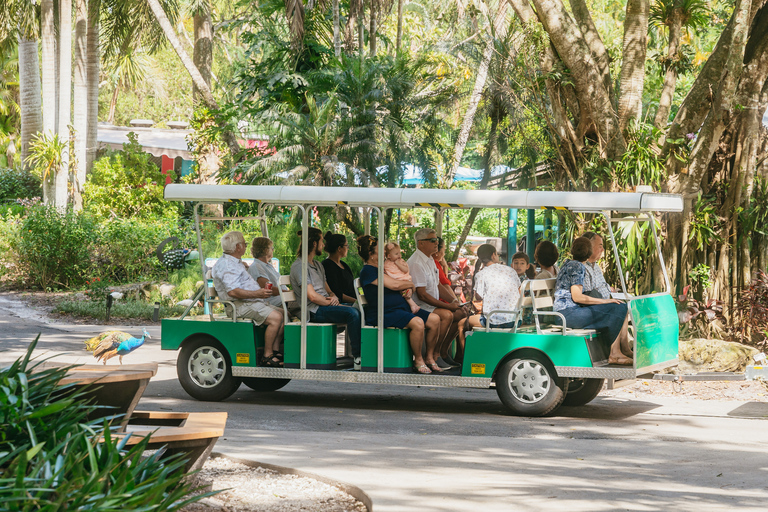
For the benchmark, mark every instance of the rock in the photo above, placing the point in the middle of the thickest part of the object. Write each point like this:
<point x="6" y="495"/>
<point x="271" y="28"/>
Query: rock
<point x="715" y="355"/>
<point x="166" y="289"/>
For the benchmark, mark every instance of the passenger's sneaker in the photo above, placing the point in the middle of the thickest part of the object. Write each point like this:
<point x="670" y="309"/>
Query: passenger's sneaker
<point x="358" y="365"/>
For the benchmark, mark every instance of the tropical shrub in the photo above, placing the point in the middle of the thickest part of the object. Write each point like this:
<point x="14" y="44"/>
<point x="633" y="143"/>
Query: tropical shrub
<point x="751" y="324"/>
<point x="125" y="184"/>
<point x="54" y="249"/>
<point x="18" y="183"/>
<point x="125" y="250"/>
<point x="52" y="457"/>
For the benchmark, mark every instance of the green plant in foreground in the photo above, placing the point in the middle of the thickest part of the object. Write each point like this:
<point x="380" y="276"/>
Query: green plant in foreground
<point x="52" y="458"/>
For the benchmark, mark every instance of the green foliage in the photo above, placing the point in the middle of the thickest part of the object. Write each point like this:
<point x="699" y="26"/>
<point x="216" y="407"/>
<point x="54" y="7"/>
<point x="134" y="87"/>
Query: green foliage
<point x="701" y="276"/>
<point x="97" y="289"/>
<point x="125" y="250"/>
<point x="45" y="155"/>
<point x="126" y="184"/>
<point x="705" y="223"/>
<point x="53" y="458"/>
<point x="53" y="248"/>
<point x="18" y="183"/>
<point x="120" y="309"/>
<point x="640" y="164"/>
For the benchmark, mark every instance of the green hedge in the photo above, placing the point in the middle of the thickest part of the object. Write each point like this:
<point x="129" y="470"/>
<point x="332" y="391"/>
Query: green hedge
<point x="18" y="184"/>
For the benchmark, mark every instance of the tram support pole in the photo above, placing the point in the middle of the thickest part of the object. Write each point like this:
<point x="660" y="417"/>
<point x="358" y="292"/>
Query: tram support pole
<point x="511" y="234"/>
<point x="530" y="235"/>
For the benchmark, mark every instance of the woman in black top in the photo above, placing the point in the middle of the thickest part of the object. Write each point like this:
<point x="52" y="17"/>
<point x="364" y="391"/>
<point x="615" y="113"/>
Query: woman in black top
<point x="338" y="275"/>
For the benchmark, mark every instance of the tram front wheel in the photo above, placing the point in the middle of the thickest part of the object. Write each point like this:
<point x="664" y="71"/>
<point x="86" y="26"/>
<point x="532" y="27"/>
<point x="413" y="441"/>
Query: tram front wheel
<point x="264" y="385"/>
<point x="582" y="391"/>
<point x="205" y="371"/>
<point x="529" y="386"/>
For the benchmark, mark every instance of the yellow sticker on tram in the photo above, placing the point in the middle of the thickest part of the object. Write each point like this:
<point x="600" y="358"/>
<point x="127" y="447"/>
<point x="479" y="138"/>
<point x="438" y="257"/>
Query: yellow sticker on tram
<point x="243" y="358"/>
<point x="478" y="368"/>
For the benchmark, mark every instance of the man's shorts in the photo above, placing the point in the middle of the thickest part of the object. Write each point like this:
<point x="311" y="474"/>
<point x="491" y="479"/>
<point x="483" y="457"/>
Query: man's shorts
<point x="255" y="309"/>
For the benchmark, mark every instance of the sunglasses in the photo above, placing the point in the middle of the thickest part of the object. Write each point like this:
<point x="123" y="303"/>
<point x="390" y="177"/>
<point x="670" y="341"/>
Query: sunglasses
<point x="432" y="240"/>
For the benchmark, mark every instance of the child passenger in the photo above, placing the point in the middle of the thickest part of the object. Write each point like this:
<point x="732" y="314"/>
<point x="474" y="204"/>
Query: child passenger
<point x="522" y="265"/>
<point x="397" y="268"/>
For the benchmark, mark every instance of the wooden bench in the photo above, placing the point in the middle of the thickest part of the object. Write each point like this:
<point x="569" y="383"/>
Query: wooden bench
<point x="191" y="433"/>
<point x="117" y="388"/>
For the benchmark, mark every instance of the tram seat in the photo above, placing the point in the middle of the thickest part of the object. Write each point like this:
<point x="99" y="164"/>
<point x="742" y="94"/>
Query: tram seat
<point x="398" y="356"/>
<point x="321" y="338"/>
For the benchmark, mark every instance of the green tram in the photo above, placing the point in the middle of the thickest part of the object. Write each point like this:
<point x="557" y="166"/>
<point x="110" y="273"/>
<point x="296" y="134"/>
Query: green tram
<point x="534" y="368"/>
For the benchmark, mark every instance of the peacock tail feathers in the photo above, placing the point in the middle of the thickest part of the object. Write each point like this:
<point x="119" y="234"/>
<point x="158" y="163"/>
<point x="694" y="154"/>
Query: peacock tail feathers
<point x="110" y="336"/>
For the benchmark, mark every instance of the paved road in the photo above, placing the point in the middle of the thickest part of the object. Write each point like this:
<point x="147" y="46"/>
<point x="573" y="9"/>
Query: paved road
<point x="435" y="449"/>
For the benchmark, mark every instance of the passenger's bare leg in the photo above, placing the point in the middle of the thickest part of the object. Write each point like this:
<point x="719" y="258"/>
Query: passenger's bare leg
<point x="432" y="326"/>
<point x="617" y="355"/>
<point x="416" y="339"/>
<point x="453" y="331"/>
<point x="274" y="333"/>
<point x="474" y="321"/>
<point x="446" y="319"/>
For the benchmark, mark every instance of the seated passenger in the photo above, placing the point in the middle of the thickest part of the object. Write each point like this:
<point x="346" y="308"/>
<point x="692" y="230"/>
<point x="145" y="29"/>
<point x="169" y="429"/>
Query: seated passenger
<point x="397" y="312"/>
<point x="337" y="272"/>
<point x="594" y="280"/>
<point x="498" y="287"/>
<point x="446" y="289"/>
<point x="323" y="305"/>
<point x="608" y="316"/>
<point x="397" y="268"/>
<point x="522" y="265"/>
<point x="232" y="282"/>
<point x="262" y="270"/>
<point x="546" y="256"/>
<point x="426" y="278"/>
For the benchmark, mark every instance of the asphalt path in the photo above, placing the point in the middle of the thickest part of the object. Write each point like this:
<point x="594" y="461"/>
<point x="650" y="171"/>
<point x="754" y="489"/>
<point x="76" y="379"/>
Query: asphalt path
<point x="444" y="449"/>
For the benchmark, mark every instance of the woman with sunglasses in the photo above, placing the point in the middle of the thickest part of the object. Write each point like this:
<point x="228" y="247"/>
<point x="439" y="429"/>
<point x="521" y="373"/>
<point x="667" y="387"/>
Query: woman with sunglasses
<point x="397" y="312"/>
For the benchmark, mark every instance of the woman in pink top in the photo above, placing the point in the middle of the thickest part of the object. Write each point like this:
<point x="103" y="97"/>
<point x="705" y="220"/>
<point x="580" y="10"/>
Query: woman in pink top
<point x="397" y="268"/>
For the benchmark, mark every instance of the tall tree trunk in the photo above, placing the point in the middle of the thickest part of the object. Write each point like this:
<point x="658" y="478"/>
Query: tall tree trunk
<point x="197" y="78"/>
<point x="633" y="64"/>
<point x="399" y="40"/>
<point x="336" y="30"/>
<point x="113" y="104"/>
<point x="670" y="77"/>
<point x="94" y="58"/>
<point x="595" y="100"/>
<point x="80" y="100"/>
<point x="29" y="94"/>
<point x="373" y="30"/>
<point x="203" y="52"/>
<point x="361" y="30"/>
<point x="594" y="41"/>
<point x="48" y="39"/>
<point x="65" y="99"/>
<point x="477" y="92"/>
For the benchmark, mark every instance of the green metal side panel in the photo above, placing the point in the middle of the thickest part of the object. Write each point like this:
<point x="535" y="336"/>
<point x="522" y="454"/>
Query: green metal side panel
<point x="657" y="329"/>
<point x="484" y="350"/>
<point x="241" y="339"/>
<point x="321" y="346"/>
<point x="398" y="357"/>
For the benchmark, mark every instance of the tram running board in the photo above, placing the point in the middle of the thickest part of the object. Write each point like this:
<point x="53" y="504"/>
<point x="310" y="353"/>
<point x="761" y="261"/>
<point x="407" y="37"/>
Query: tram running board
<point x="413" y="379"/>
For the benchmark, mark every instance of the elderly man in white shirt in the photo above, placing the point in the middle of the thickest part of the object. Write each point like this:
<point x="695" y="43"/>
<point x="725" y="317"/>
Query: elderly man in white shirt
<point x="233" y="282"/>
<point x="426" y="280"/>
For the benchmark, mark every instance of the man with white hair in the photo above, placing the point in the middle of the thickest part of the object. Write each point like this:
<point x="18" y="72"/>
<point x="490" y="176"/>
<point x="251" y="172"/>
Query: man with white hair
<point x="233" y="282"/>
<point x="426" y="280"/>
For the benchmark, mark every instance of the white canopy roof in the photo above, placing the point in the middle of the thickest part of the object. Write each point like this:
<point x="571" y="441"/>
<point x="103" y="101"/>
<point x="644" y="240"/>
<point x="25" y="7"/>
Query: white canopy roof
<point x="408" y="197"/>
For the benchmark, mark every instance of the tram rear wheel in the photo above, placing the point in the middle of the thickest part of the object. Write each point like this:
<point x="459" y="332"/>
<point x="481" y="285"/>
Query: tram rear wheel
<point x="582" y="391"/>
<point x="264" y="385"/>
<point x="529" y="386"/>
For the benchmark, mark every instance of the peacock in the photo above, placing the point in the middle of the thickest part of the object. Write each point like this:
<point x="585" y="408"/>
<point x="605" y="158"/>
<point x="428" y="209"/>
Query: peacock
<point x="114" y="343"/>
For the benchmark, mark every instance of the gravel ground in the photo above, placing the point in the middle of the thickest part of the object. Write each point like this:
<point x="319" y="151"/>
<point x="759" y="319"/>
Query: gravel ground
<point x="246" y="489"/>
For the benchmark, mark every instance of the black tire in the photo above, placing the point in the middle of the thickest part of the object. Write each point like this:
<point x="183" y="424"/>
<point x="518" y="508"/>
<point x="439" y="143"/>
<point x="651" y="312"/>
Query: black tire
<point x="265" y="385"/>
<point x="529" y="386"/>
<point x="205" y="370"/>
<point x="582" y="391"/>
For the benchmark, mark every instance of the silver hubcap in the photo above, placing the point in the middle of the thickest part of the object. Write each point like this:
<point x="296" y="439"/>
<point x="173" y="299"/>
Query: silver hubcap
<point x="529" y="381"/>
<point x="207" y="367"/>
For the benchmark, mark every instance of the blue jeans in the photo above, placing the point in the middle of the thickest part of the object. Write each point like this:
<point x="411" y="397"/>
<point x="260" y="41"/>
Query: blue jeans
<point x="341" y="315"/>
<point x="608" y="319"/>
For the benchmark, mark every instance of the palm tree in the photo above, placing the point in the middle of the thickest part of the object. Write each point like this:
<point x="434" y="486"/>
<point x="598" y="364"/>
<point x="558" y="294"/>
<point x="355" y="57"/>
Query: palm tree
<point x="80" y="104"/>
<point x="65" y="98"/>
<point x="125" y="70"/>
<point x="676" y="15"/>
<point x="94" y="59"/>
<point x="48" y="38"/>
